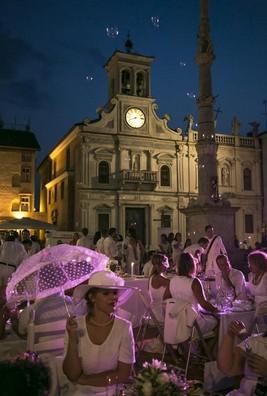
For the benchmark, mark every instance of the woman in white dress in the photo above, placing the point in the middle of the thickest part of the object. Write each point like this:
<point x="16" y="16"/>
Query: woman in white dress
<point x="187" y="288"/>
<point x="99" y="351"/>
<point x="257" y="278"/>
<point x="158" y="287"/>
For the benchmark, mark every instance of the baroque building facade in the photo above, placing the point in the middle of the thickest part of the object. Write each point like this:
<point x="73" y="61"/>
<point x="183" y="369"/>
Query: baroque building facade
<point x="128" y="168"/>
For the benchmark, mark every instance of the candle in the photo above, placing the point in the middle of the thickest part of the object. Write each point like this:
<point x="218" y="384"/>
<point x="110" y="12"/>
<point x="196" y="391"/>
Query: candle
<point x="132" y="268"/>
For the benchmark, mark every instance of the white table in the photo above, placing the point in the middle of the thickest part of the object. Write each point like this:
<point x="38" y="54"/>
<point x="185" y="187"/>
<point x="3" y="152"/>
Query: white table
<point x="11" y="346"/>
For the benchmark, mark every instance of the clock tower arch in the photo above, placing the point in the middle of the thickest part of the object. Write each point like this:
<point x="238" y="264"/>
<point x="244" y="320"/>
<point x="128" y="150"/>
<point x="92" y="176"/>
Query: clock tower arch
<point x="129" y="73"/>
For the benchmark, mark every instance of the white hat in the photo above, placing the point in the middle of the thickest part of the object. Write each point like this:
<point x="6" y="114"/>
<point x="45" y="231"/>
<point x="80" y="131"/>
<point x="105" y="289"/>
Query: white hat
<point x="104" y="280"/>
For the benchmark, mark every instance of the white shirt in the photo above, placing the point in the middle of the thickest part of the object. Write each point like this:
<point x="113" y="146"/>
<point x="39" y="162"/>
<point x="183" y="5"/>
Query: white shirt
<point x="118" y="347"/>
<point x="110" y="247"/>
<point x="84" y="241"/>
<point x="259" y="291"/>
<point x="148" y="268"/>
<point x="238" y="281"/>
<point x="100" y="245"/>
<point x="216" y="249"/>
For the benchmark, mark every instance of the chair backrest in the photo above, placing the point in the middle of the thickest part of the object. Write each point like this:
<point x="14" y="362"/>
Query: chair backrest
<point x="170" y="323"/>
<point x="46" y="337"/>
<point x="259" y="323"/>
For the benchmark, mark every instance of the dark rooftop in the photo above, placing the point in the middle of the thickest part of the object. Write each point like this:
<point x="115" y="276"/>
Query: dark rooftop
<point x="18" y="138"/>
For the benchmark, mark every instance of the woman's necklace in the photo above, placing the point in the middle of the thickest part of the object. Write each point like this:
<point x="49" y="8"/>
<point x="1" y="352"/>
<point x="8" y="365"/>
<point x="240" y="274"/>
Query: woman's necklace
<point x="101" y="324"/>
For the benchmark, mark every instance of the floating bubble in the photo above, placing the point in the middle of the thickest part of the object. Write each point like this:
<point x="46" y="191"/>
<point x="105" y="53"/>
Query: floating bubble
<point x="155" y="21"/>
<point x="112" y="31"/>
<point x="182" y="64"/>
<point x="89" y="78"/>
<point x="191" y="95"/>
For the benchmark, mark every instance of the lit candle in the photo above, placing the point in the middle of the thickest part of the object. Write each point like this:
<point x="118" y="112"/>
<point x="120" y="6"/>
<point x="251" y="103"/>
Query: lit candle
<point x="132" y="268"/>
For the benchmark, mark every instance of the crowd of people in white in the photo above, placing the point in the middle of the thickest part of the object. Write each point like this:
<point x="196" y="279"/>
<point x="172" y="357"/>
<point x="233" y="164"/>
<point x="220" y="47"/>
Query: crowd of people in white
<point x="175" y="271"/>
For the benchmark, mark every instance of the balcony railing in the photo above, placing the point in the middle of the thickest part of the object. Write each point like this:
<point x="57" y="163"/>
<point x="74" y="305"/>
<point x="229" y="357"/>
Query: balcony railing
<point x="142" y="176"/>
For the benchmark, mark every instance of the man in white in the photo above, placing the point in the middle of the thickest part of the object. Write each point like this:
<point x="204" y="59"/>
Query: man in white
<point x="11" y="255"/>
<point x="110" y="244"/>
<point x="230" y="278"/>
<point x="197" y="250"/>
<point x="100" y="243"/>
<point x="85" y="240"/>
<point x="215" y="248"/>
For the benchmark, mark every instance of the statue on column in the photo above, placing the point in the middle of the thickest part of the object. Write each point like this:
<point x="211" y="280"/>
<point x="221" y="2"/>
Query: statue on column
<point x="235" y="126"/>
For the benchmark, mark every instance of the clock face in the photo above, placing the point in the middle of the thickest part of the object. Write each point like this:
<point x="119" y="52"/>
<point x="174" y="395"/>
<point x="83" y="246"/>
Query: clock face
<point x="135" y="117"/>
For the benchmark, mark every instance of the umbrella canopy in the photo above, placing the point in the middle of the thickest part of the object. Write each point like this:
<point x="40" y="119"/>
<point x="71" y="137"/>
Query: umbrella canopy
<point x="26" y="222"/>
<point x="52" y="270"/>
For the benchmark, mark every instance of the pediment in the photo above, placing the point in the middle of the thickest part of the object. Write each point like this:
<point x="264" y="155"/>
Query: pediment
<point x="103" y="154"/>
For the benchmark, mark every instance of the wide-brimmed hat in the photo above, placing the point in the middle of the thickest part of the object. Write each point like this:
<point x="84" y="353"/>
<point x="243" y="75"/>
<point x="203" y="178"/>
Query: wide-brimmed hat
<point x="104" y="280"/>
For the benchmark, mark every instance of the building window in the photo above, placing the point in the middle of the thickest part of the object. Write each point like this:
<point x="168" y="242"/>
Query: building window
<point x="249" y="228"/>
<point x="165" y="179"/>
<point x="49" y="196"/>
<point x="25" y="204"/>
<point x="165" y="221"/>
<point x="26" y="174"/>
<point x="62" y="190"/>
<point x="247" y="179"/>
<point x="26" y="156"/>
<point x="103" y="221"/>
<point x="125" y="82"/>
<point x="103" y="172"/>
<point x="140" y="84"/>
<point x="56" y="193"/>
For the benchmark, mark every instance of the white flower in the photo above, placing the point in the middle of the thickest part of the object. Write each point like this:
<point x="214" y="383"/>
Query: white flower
<point x="147" y="388"/>
<point x="163" y="378"/>
<point x="158" y="364"/>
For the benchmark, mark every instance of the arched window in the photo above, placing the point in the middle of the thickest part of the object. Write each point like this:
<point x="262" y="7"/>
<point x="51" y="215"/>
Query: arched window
<point x="140" y="84"/>
<point x="247" y="179"/>
<point x="103" y="172"/>
<point x="125" y="82"/>
<point x="165" y="179"/>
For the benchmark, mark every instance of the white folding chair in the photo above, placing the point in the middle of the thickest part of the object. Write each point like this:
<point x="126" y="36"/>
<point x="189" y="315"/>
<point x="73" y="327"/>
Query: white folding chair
<point x="46" y="337"/>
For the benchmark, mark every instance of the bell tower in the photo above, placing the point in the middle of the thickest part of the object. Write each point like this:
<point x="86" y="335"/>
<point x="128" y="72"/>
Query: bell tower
<point x="129" y="73"/>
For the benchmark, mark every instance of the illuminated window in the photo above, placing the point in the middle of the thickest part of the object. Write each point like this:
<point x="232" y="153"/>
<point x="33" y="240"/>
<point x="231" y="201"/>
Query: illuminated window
<point x="25" y="204"/>
<point x="103" y="172"/>
<point x="247" y="179"/>
<point x="26" y="174"/>
<point x="165" y="179"/>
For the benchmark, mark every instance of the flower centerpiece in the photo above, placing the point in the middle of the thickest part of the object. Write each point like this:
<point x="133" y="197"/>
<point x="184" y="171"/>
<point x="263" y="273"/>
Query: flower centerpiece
<point x="154" y="379"/>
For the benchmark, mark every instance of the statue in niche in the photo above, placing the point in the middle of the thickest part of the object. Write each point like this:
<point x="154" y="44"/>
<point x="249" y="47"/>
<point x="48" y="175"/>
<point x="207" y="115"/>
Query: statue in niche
<point x="235" y="126"/>
<point x="225" y="176"/>
<point x="255" y="128"/>
<point x="190" y="121"/>
<point x="136" y="162"/>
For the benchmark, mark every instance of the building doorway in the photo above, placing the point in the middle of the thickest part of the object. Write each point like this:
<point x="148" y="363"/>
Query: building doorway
<point x="136" y="218"/>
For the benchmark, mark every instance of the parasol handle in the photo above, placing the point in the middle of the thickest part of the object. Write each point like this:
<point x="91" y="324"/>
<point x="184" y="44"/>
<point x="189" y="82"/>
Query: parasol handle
<point x="66" y="305"/>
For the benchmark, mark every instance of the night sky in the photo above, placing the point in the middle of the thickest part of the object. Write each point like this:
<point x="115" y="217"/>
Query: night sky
<point x="53" y="52"/>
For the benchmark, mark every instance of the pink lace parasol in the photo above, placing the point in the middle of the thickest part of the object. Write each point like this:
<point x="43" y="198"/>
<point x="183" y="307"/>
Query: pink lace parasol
<point x="53" y="270"/>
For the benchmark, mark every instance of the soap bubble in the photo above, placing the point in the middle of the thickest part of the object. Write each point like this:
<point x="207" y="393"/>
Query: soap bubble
<point x="191" y="95"/>
<point x="182" y="64"/>
<point x="89" y="78"/>
<point x="155" y="21"/>
<point x="112" y="31"/>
